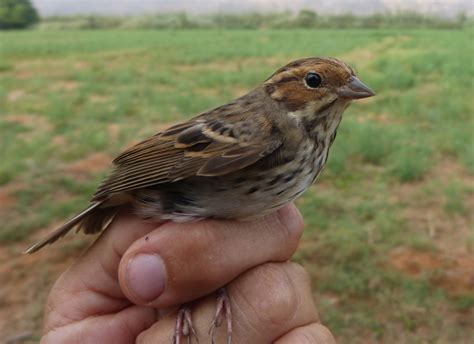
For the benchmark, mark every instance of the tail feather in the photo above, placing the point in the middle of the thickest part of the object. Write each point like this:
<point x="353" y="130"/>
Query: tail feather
<point x="61" y="231"/>
<point x="98" y="222"/>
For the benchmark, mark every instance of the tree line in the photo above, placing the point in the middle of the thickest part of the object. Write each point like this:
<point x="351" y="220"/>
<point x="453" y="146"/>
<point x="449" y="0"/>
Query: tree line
<point x="15" y="14"/>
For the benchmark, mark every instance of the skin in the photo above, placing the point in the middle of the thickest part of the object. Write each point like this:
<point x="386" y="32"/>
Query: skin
<point x="102" y="297"/>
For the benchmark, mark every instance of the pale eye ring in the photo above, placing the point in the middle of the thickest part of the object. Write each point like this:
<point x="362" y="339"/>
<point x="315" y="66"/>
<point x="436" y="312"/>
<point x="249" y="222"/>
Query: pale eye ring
<point x="313" y="80"/>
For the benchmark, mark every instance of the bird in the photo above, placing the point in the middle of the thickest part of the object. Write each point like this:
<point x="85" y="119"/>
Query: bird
<point x="240" y="160"/>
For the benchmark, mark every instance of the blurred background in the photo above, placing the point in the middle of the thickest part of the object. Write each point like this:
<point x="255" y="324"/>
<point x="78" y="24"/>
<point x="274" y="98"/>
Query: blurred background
<point x="389" y="238"/>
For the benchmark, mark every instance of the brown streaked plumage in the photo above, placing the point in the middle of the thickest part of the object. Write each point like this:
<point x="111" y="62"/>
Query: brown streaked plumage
<point x="240" y="160"/>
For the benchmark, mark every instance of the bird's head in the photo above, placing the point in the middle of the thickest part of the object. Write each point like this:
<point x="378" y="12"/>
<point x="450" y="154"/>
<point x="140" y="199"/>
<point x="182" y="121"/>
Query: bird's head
<point x="315" y="83"/>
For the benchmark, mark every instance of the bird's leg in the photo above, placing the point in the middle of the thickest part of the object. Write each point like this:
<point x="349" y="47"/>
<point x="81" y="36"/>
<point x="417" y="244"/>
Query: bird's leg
<point x="223" y="310"/>
<point x="184" y="326"/>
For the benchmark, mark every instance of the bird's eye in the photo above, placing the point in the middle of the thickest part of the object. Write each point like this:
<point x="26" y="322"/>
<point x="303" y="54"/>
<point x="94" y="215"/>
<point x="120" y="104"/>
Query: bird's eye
<point x="313" y="80"/>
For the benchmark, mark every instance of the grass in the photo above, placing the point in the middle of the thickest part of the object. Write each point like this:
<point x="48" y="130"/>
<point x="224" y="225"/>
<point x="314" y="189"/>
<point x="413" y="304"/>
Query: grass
<point x="401" y="169"/>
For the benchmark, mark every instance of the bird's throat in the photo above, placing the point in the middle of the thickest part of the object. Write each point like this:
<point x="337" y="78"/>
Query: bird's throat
<point x="320" y="123"/>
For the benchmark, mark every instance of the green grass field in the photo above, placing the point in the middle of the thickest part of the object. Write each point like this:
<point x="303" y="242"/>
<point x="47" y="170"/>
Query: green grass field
<point x="389" y="238"/>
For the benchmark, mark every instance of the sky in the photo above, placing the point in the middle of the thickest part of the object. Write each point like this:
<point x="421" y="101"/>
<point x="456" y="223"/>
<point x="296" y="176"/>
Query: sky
<point x="133" y="7"/>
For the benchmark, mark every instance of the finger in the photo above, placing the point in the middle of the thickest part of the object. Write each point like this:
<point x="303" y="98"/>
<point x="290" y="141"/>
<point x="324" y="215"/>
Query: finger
<point x="267" y="302"/>
<point x="90" y="286"/>
<point x="310" y="334"/>
<point x="182" y="262"/>
<point x="117" y="328"/>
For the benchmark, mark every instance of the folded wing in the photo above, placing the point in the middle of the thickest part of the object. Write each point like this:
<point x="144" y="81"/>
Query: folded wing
<point x="200" y="147"/>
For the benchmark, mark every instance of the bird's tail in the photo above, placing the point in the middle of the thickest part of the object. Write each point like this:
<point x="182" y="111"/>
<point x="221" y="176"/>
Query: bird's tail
<point x="76" y="220"/>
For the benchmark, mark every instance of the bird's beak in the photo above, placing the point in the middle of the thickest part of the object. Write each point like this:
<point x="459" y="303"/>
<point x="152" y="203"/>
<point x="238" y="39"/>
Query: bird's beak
<point x="354" y="89"/>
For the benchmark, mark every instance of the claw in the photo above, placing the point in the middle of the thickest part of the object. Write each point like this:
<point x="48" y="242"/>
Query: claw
<point x="223" y="309"/>
<point x="184" y="326"/>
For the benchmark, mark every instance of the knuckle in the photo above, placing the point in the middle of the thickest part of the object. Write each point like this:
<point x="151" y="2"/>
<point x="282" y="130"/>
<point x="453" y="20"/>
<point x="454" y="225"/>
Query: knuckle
<point x="299" y="274"/>
<point x="277" y="301"/>
<point x="290" y="227"/>
<point x="322" y="335"/>
<point x="314" y="333"/>
<point x="303" y="337"/>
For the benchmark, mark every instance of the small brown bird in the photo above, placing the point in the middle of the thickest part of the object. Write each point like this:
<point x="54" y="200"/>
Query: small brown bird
<point x="240" y="160"/>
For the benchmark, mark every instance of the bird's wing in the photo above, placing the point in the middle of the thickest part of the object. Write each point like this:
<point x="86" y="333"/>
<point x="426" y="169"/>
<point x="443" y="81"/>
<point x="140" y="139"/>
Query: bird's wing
<point x="201" y="147"/>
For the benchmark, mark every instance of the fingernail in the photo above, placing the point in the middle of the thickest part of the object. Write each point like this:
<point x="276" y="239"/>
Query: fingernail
<point x="146" y="276"/>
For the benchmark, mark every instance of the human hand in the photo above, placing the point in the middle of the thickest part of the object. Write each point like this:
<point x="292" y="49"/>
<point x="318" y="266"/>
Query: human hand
<point x="126" y="287"/>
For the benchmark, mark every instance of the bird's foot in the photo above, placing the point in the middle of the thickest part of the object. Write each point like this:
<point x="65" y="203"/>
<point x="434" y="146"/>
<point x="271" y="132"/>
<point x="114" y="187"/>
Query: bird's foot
<point x="223" y="310"/>
<point x="184" y="326"/>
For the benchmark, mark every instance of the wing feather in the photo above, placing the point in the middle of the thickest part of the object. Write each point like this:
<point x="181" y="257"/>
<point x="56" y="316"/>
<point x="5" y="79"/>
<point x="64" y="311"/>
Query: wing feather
<point x="200" y="147"/>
